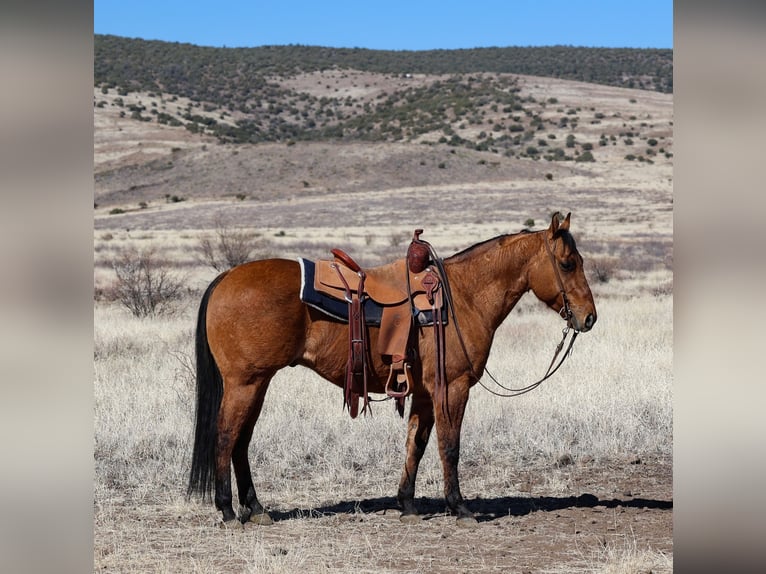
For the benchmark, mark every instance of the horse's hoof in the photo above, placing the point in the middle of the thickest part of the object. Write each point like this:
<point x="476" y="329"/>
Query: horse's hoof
<point x="410" y="518"/>
<point x="467" y="522"/>
<point x="262" y="519"/>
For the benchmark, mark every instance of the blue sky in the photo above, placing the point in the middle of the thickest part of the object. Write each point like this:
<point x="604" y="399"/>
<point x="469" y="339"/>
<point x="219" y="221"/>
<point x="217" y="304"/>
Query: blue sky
<point x="393" y="24"/>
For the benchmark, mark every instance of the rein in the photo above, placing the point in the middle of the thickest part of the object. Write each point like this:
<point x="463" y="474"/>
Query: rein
<point x="516" y="392"/>
<point x="565" y="312"/>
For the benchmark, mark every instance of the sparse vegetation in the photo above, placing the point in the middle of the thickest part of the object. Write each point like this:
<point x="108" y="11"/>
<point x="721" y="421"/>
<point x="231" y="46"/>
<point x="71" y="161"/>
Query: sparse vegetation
<point x="146" y="285"/>
<point x="246" y="81"/>
<point x="228" y="247"/>
<point x="603" y="268"/>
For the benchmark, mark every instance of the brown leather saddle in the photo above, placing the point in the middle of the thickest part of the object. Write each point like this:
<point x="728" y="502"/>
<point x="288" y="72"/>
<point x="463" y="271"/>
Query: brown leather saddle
<point x="404" y="289"/>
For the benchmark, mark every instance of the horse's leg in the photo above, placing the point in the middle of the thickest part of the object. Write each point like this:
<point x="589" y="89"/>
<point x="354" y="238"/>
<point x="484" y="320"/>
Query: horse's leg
<point x="418" y="431"/>
<point x="237" y="405"/>
<point x="448" y="426"/>
<point x="251" y="508"/>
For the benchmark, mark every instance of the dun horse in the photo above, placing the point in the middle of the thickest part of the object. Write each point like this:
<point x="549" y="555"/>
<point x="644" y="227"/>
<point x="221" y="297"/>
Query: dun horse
<point x="252" y="323"/>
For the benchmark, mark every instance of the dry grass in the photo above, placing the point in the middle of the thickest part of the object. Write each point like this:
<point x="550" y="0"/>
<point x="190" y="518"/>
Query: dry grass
<point x="612" y="399"/>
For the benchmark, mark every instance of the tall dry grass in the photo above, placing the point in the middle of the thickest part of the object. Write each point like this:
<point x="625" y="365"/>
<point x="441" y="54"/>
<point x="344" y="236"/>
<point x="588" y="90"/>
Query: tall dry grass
<point x="613" y="396"/>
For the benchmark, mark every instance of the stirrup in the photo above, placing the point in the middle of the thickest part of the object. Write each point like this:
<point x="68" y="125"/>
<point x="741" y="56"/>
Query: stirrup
<point x="406" y="374"/>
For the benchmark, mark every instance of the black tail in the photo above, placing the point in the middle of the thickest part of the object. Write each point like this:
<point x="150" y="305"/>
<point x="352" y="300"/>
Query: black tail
<point x="209" y="394"/>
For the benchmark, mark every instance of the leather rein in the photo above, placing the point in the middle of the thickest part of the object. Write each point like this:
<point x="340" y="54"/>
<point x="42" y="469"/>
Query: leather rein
<point x="565" y="312"/>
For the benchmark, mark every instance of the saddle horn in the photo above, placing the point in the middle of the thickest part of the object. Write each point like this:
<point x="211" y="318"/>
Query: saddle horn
<point x="417" y="253"/>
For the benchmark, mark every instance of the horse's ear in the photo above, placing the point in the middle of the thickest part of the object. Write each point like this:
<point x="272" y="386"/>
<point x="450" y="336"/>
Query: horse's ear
<point x="554" y="224"/>
<point x="557" y="226"/>
<point x="565" y="224"/>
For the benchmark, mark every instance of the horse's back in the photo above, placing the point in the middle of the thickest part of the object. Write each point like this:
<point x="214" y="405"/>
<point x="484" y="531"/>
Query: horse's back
<point x="263" y="277"/>
<point x="255" y="318"/>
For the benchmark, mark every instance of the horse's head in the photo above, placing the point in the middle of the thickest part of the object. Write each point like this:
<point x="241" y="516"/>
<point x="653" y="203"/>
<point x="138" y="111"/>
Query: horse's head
<point x="557" y="277"/>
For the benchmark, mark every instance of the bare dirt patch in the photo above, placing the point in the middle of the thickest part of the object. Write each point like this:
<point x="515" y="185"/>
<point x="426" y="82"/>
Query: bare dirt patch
<point x="614" y="515"/>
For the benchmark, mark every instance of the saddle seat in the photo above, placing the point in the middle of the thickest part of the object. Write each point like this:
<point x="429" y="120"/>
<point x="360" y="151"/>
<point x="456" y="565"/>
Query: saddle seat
<point x="385" y="284"/>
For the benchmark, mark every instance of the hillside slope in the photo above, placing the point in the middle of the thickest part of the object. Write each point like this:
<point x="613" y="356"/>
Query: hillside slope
<point x="561" y="127"/>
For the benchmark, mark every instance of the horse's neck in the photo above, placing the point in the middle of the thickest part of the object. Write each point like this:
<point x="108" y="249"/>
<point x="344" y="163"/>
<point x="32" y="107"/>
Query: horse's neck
<point x="489" y="280"/>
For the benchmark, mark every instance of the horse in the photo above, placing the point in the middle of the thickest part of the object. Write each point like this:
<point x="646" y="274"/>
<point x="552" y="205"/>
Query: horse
<point x="252" y="323"/>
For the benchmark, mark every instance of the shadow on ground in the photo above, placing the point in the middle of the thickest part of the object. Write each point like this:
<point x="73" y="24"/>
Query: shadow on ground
<point x="484" y="509"/>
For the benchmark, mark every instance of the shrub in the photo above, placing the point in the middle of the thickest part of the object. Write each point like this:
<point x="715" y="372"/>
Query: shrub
<point x="585" y="156"/>
<point x="603" y="268"/>
<point x="145" y="284"/>
<point x="397" y="238"/>
<point x="228" y="248"/>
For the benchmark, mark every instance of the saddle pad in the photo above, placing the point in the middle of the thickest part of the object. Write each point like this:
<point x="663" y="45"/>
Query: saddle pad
<point x="338" y="308"/>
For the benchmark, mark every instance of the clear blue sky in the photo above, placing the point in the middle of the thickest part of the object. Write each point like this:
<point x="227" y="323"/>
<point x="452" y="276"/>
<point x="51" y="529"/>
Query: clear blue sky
<point x="393" y="24"/>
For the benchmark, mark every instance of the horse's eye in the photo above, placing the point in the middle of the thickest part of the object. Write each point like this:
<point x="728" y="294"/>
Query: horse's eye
<point x="567" y="266"/>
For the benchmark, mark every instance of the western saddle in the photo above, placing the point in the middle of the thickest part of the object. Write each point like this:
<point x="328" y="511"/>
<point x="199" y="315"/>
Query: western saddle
<point x="411" y="294"/>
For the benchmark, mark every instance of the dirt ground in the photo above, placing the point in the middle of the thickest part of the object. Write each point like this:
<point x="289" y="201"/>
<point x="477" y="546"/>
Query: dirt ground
<point x="616" y="516"/>
<point x="618" y="504"/>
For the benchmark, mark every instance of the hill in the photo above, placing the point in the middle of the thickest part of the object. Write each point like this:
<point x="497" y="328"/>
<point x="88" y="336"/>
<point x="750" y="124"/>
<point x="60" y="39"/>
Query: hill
<point x="422" y="130"/>
<point x="227" y="74"/>
<point x="265" y="94"/>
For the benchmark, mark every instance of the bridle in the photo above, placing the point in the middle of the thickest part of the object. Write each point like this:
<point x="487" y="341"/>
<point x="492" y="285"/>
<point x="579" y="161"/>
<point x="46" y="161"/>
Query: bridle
<point x="565" y="311"/>
<point x="566" y="314"/>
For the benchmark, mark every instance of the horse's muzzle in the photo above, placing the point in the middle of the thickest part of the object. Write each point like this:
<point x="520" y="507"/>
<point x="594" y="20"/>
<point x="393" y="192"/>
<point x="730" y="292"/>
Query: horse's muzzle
<point x="584" y="325"/>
